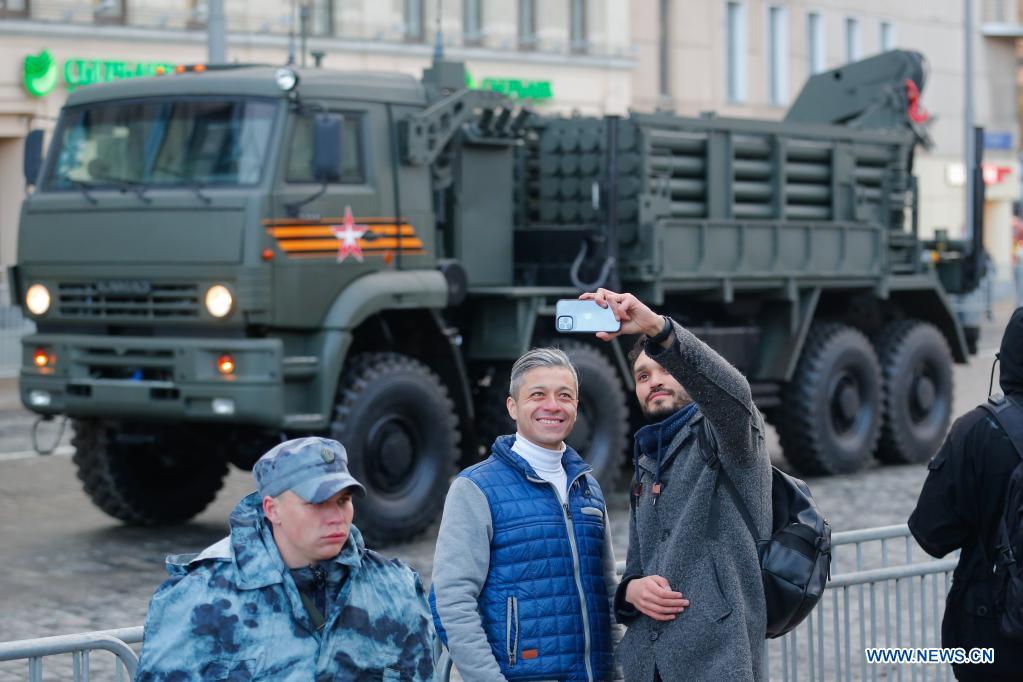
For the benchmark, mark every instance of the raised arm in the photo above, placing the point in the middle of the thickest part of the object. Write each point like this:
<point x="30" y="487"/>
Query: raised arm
<point x="721" y="391"/>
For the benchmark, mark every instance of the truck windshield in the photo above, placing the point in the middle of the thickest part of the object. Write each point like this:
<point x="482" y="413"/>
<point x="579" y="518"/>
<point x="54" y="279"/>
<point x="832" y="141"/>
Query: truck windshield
<point x="154" y="142"/>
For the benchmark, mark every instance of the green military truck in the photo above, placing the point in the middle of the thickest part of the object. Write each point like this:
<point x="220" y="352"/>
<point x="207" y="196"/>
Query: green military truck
<point x="225" y="257"/>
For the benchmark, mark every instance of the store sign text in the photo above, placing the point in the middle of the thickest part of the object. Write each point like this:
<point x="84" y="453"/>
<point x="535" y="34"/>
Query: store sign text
<point x="41" y="71"/>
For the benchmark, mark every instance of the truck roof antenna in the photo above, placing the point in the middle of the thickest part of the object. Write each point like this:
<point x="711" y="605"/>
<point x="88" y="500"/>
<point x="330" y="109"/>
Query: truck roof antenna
<point x="291" y="34"/>
<point x="438" y="34"/>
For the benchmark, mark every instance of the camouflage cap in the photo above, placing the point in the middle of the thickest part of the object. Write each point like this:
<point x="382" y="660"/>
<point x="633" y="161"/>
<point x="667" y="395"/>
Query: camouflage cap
<point x="313" y="468"/>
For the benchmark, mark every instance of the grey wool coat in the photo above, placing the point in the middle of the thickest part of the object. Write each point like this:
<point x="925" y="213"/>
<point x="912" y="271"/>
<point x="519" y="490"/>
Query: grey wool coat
<point x="720" y="635"/>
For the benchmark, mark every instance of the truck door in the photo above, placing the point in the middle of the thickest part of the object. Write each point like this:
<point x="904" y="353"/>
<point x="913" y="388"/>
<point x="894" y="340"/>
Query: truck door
<point x="329" y="234"/>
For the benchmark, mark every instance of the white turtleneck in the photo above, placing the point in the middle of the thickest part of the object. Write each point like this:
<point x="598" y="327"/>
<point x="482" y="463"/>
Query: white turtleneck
<point x="546" y="463"/>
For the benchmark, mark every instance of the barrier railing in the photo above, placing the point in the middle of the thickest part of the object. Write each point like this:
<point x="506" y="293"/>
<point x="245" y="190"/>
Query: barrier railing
<point x="80" y="646"/>
<point x="884" y="592"/>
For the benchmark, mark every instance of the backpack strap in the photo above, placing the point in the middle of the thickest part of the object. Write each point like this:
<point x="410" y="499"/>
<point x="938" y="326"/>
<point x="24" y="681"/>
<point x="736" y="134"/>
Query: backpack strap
<point x="721" y="476"/>
<point x="1009" y="416"/>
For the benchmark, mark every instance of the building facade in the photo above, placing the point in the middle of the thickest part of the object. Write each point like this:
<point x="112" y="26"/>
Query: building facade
<point x="560" y="55"/>
<point x="749" y="58"/>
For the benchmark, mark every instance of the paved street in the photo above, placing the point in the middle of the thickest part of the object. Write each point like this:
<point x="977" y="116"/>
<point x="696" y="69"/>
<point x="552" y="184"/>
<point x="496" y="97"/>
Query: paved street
<point x="69" y="568"/>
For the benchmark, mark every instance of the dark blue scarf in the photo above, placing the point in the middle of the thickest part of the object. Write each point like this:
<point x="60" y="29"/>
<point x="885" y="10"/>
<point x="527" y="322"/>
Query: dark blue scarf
<point x="652" y="439"/>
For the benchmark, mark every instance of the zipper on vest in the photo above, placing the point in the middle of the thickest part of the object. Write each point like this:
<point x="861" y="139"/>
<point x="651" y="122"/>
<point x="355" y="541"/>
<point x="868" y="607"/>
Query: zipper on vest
<point x="578" y="580"/>
<point x="512" y="630"/>
<point x="576" y="568"/>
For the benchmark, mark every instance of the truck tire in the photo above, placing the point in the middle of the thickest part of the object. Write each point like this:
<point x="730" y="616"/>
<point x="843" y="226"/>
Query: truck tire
<point x="916" y="366"/>
<point x="147" y="478"/>
<point x="830" y="417"/>
<point x="396" y="420"/>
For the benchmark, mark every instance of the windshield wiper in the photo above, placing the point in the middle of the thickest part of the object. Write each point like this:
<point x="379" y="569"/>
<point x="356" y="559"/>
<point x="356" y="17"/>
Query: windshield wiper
<point x="193" y="184"/>
<point x="138" y="188"/>
<point x="83" y="186"/>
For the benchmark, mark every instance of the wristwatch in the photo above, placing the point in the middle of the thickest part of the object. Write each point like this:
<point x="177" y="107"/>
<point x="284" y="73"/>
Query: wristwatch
<point x="665" y="332"/>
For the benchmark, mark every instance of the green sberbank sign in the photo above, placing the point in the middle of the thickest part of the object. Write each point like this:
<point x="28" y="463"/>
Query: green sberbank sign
<point x="513" y="88"/>
<point x="41" y="71"/>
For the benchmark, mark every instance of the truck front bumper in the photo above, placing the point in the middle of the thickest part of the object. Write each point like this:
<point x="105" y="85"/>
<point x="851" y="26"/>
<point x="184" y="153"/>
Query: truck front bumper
<point x="154" y="378"/>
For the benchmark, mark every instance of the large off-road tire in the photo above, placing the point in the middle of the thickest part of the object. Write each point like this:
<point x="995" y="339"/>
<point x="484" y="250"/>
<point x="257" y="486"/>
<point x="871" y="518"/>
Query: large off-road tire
<point x="149" y="476"/>
<point x="916" y="366"/>
<point x="601" y="432"/>
<point x="830" y="416"/>
<point x="396" y="420"/>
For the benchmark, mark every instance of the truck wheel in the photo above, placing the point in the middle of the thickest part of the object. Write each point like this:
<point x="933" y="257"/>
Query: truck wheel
<point x="830" y="416"/>
<point x="916" y="365"/>
<point x="601" y="433"/>
<point x="157" y="476"/>
<point x="398" y="424"/>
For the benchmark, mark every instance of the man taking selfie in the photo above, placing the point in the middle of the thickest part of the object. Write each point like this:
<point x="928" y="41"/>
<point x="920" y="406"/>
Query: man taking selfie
<point x="692" y="595"/>
<point x="524" y="573"/>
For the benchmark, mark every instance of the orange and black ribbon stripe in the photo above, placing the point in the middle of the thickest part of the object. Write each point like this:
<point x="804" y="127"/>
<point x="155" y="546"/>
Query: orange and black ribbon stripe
<point x="304" y="239"/>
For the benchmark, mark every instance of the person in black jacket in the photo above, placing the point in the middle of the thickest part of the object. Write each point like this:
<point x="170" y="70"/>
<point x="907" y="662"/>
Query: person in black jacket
<point x="959" y="508"/>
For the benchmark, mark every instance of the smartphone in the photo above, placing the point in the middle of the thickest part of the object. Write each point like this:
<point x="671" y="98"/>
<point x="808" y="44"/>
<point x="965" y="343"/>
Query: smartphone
<point x="572" y="315"/>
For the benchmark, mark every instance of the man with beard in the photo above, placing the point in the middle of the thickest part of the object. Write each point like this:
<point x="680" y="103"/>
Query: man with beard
<point x="692" y="594"/>
<point x="524" y="574"/>
<point x="960" y="507"/>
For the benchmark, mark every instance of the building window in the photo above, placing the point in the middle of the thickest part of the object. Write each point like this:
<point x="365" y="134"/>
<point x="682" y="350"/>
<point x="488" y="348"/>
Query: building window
<point x="414" y="21"/>
<point x="735" y="55"/>
<point x="198" y="14"/>
<point x="887" y="36"/>
<point x="109" y="11"/>
<point x="815" y="42"/>
<point x="10" y="9"/>
<point x="472" y="22"/>
<point x="853" y="47"/>
<point x="527" y="24"/>
<point x="664" y="48"/>
<point x="778" y="55"/>
<point x="321" y="17"/>
<point x="578" y="36"/>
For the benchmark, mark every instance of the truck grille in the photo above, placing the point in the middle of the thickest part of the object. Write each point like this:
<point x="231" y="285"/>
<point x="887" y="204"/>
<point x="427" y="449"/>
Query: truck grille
<point x="151" y="302"/>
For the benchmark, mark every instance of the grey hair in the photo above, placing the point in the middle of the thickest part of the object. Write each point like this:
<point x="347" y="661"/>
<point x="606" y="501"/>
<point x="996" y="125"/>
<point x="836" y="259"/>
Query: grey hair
<point x="536" y="358"/>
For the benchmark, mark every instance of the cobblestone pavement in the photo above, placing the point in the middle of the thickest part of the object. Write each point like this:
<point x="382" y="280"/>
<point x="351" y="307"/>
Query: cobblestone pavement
<point x="68" y="568"/>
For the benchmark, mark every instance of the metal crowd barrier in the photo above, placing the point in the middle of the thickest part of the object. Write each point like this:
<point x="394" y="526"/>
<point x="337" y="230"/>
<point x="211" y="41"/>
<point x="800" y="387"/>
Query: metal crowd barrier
<point x="884" y="592"/>
<point x="80" y="646"/>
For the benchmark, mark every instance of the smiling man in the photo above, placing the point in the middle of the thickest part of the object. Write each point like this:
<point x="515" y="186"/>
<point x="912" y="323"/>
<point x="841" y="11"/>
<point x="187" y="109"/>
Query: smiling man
<point x="692" y="595"/>
<point x="524" y="573"/>
<point x="292" y="593"/>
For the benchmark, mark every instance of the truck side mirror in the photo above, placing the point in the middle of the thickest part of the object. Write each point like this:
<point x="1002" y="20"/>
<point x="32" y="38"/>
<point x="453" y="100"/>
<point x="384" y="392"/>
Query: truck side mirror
<point x="33" y="157"/>
<point x="327" y="147"/>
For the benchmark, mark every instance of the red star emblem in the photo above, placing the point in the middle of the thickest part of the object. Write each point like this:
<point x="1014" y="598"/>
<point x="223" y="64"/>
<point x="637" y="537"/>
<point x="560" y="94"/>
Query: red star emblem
<point x="348" y="235"/>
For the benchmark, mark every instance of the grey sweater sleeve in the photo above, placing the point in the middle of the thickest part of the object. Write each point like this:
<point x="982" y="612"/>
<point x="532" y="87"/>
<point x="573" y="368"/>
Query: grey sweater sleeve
<point x="721" y="391"/>
<point x="611" y="583"/>
<point x="460" y="565"/>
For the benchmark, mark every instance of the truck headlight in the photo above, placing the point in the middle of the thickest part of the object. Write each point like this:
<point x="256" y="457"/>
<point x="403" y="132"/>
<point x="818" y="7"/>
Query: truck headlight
<point x="37" y="299"/>
<point x="219" y="300"/>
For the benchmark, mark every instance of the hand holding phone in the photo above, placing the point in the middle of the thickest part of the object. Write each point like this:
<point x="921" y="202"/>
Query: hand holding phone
<point x="575" y="316"/>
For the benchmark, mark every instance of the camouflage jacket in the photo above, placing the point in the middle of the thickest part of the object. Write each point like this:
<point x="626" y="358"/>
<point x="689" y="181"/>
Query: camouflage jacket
<point x="233" y="612"/>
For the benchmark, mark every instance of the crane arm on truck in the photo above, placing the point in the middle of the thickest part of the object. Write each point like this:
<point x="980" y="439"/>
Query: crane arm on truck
<point x="882" y="92"/>
<point x="425" y="134"/>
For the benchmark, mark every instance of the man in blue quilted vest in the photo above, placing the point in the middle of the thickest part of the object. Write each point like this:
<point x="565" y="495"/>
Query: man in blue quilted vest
<point x="524" y="572"/>
<point x="292" y="593"/>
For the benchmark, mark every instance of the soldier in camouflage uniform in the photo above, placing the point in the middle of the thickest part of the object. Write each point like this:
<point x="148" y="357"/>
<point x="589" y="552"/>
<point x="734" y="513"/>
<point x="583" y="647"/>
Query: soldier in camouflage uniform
<point x="292" y="593"/>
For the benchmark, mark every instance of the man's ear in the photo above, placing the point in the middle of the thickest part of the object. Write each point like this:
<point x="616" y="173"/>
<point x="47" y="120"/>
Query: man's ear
<point x="270" y="509"/>
<point x="509" y="403"/>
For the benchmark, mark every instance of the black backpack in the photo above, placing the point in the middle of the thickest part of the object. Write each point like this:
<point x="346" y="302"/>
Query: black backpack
<point x="795" y="562"/>
<point x="1008" y="560"/>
